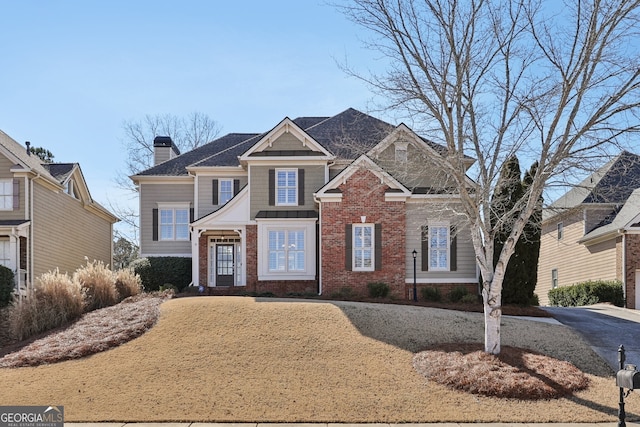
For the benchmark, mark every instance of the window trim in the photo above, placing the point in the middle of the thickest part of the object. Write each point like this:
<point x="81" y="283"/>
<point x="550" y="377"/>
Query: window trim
<point x="355" y="249"/>
<point x="554" y="278"/>
<point x="173" y="207"/>
<point x="447" y="249"/>
<point x="560" y="230"/>
<point x="220" y="192"/>
<point x="286" y="187"/>
<point x="8" y="196"/>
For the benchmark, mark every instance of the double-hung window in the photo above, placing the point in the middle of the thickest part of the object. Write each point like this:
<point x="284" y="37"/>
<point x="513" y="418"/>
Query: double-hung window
<point x="286" y="250"/>
<point x="225" y="192"/>
<point x="6" y="194"/>
<point x="174" y="223"/>
<point x="554" y="278"/>
<point x="286" y="187"/>
<point x="560" y="230"/>
<point x="363" y="247"/>
<point x="439" y="247"/>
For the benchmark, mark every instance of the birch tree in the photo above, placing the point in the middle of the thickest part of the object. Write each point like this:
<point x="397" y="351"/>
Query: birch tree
<point x="556" y="84"/>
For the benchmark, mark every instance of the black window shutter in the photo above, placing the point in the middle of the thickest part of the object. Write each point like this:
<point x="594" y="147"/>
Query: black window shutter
<point x="191" y="218"/>
<point x="214" y="184"/>
<point x="453" y="249"/>
<point x="348" y="247"/>
<point x="155" y="224"/>
<point x="16" y="194"/>
<point x="272" y="187"/>
<point x="378" y="246"/>
<point x="424" y="248"/>
<point x="300" y="187"/>
<point x="236" y="186"/>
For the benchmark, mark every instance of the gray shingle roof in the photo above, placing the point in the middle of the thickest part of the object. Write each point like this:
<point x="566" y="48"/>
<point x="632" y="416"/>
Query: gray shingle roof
<point x="59" y="171"/>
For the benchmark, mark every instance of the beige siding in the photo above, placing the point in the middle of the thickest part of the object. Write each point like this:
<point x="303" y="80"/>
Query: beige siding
<point x="150" y="196"/>
<point x="419" y="215"/>
<point x="287" y="141"/>
<point x="575" y="262"/>
<point x="64" y="233"/>
<point x="5" y="173"/>
<point x="259" y="190"/>
<point x="205" y="193"/>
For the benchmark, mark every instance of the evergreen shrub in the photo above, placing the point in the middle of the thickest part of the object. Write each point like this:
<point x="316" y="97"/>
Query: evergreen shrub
<point x="586" y="293"/>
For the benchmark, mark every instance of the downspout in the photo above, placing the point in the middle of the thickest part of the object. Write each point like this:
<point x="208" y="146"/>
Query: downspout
<point x="319" y="245"/>
<point x="624" y="267"/>
<point x="30" y="267"/>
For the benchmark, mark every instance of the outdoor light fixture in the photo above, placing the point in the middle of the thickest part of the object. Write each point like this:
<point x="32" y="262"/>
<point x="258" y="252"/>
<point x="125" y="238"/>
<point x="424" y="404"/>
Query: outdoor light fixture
<point x="415" y="290"/>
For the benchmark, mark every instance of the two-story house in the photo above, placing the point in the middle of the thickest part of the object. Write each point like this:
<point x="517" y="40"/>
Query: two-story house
<point x="593" y="231"/>
<point x="48" y="219"/>
<point x="315" y="204"/>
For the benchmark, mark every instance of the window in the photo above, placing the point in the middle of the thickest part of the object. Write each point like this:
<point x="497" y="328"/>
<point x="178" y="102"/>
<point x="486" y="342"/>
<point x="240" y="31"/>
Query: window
<point x="225" y="192"/>
<point x="554" y="278"/>
<point x="363" y="247"/>
<point x="174" y="224"/>
<point x="286" y="187"/>
<point x="6" y="194"/>
<point x="5" y="253"/>
<point x="401" y="154"/>
<point x="560" y="230"/>
<point x="439" y="247"/>
<point x="286" y="250"/>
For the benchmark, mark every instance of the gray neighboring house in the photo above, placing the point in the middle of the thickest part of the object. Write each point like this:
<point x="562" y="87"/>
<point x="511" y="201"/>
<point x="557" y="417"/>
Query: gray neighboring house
<point x="593" y="232"/>
<point x="48" y="219"/>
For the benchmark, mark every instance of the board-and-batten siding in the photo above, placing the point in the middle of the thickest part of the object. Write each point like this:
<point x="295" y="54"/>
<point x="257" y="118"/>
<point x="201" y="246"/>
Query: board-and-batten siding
<point x="313" y="180"/>
<point x="5" y="173"/>
<point x="64" y="233"/>
<point x="574" y="262"/>
<point x="419" y="215"/>
<point x="205" y="192"/>
<point x="150" y="196"/>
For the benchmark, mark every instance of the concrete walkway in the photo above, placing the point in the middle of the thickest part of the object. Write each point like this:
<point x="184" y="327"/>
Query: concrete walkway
<point x="612" y="424"/>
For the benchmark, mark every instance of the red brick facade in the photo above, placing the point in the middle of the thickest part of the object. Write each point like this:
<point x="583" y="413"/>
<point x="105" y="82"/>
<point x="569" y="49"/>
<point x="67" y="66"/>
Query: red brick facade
<point x="632" y="257"/>
<point x="363" y="195"/>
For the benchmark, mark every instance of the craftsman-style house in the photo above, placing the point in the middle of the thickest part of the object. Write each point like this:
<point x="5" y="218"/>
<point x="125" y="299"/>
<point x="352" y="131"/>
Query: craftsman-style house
<point x="314" y="205"/>
<point x="593" y="232"/>
<point x="48" y="219"/>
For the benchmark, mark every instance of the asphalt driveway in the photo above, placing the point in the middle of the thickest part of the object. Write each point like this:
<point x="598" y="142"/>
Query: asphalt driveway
<point x="605" y="328"/>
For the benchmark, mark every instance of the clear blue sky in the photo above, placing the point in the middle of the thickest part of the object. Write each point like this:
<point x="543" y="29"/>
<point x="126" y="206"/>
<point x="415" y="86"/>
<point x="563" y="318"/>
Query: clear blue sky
<point x="71" y="72"/>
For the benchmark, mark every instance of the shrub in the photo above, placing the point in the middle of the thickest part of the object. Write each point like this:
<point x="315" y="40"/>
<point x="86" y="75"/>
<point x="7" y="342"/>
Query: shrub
<point x="458" y="293"/>
<point x="127" y="283"/>
<point x="156" y="271"/>
<point x="586" y="293"/>
<point x="378" y="289"/>
<point x="344" y="292"/>
<point x="469" y="299"/>
<point x="7" y="285"/>
<point x="99" y="283"/>
<point x="168" y="287"/>
<point x="57" y="300"/>
<point x="431" y="294"/>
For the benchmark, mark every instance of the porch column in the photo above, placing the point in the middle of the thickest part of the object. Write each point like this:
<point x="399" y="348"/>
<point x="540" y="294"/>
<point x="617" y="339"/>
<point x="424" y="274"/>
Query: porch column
<point x="195" y="256"/>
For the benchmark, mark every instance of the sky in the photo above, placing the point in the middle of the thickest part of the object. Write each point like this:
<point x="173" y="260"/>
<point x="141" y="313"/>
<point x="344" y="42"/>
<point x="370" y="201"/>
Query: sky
<point x="72" y="72"/>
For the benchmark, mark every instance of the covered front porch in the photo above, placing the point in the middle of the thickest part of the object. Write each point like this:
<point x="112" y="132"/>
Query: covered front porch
<point x="219" y="258"/>
<point x="14" y="253"/>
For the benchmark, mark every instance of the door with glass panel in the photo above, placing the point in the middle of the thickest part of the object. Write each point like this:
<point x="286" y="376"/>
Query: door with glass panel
<point x="225" y="264"/>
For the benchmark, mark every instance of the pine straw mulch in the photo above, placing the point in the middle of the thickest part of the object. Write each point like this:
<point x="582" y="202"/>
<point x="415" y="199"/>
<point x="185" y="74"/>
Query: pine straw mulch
<point x="514" y="373"/>
<point x="94" y="332"/>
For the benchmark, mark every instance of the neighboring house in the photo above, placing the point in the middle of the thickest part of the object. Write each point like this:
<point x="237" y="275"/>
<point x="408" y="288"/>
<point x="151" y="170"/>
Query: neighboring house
<point x="315" y="205"/>
<point x="593" y="232"/>
<point x="47" y="217"/>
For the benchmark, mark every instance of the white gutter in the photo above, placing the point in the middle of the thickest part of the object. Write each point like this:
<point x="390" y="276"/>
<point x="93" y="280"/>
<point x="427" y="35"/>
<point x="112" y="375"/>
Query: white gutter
<point x="624" y="268"/>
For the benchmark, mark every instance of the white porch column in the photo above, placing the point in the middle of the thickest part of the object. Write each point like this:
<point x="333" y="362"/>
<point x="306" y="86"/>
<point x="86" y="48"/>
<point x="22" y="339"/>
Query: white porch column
<point x="195" y="256"/>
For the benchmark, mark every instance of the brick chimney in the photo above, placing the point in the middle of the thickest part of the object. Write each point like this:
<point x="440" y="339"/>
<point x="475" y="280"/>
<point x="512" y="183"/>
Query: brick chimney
<point x="164" y="149"/>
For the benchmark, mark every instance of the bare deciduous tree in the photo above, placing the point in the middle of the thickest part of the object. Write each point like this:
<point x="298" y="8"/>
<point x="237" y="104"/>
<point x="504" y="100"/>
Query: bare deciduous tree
<point x="556" y="84"/>
<point x="186" y="132"/>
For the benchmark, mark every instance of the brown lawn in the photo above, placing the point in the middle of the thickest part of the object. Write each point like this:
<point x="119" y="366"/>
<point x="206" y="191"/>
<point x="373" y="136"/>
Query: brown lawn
<point x="259" y="360"/>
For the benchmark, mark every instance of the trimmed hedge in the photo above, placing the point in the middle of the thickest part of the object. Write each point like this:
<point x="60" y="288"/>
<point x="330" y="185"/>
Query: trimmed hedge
<point x="160" y="271"/>
<point x="7" y="286"/>
<point x="586" y="293"/>
<point x="378" y="289"/>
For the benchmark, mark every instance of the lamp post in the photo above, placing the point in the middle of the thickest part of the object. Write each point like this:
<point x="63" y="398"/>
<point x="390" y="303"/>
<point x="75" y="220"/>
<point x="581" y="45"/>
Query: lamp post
<point x="415" y="290"/>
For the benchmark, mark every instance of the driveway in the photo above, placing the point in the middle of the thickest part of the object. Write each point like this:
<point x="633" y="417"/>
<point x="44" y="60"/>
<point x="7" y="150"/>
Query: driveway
<point x="604" y="327"/>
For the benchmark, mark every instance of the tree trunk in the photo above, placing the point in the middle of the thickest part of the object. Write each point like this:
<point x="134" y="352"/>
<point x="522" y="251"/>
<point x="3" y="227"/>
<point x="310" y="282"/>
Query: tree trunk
<point x="492" y="316"/>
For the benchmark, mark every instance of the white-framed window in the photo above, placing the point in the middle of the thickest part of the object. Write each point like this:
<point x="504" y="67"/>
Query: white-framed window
<point x="363" y="247"/>
<point x="554" y="278"/>
<point x="286" y="250"/>
<point x="286" y="187"/>
<point x="439" y="246"/>
<point x="560" y="231"/>
<point x="174" y="222"/>
<point x="5" y="252"/>
<point x="6" y="194"/>
<point x="225" y="191"/>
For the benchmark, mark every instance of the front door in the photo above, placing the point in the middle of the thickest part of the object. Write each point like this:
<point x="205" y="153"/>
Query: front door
<point x="224" y="264"/>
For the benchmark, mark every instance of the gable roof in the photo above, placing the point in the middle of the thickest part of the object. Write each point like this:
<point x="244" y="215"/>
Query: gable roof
<point x="18" y="153"/>
<point x="60" y="171"/>
<point x="625" y="218"/>
<point x="612" y="184"/>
